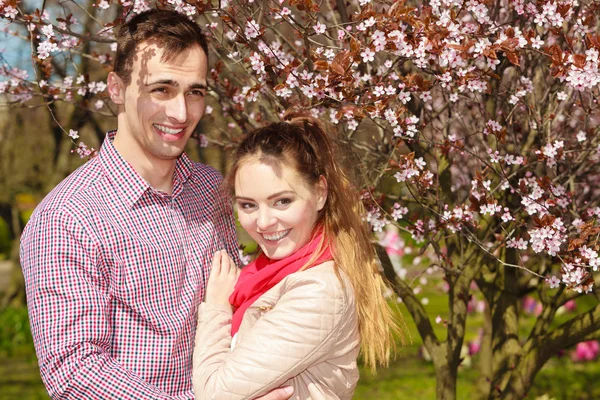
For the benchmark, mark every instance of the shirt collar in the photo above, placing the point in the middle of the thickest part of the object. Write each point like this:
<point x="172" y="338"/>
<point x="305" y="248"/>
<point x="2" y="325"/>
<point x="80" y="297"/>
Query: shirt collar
<point x="125" y="178"/>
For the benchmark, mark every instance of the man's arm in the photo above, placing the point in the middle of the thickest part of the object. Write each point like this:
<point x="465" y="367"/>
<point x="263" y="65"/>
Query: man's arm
<point x="69" y="309"/>
<point x="224" y="222"/>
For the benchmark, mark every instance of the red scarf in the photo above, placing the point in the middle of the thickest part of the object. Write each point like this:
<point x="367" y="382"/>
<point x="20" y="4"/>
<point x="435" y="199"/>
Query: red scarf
<point x="263" y="273"/>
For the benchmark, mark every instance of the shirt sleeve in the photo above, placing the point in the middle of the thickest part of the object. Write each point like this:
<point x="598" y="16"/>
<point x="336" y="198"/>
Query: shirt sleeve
<point x="69" y="309"/>
<point x="300" y="331"/>
<point x="225" y="223"/>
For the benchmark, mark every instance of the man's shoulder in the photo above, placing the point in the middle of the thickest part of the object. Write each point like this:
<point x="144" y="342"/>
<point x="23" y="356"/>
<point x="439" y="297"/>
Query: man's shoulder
<point x="205" y="175"/>
<point x="75" y="190"/>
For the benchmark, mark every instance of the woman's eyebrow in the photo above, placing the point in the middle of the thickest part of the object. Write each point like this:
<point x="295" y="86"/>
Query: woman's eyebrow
<point x="268" y="198"/>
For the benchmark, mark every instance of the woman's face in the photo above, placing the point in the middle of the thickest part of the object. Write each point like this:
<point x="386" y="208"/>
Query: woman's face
<point x="276" y="206"/>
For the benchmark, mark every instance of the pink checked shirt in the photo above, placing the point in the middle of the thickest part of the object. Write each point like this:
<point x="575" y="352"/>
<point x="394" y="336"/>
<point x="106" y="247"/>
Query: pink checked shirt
<point x="114" y="272"/>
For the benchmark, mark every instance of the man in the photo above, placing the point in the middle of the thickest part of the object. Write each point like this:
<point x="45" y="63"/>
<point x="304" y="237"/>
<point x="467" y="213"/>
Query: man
<point x="116" y="257"/>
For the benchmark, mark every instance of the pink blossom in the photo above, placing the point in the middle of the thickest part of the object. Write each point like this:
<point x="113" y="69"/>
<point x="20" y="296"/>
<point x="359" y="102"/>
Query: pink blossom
<point x="570" y="306"/>
<point x="367" y="55"/>
<point x="425" y="96"/>
<point x="11" y="12"/>
<point x="393" y="244"/>
<point x="45" y="48"/>
<point x="48" y="30"/>
<point x="562" y="96"/>
<point x="532" y="306"/>
<point x="404" y="97"/>
<point x="252" y="29"/>
<point x="586" y="351"/>
<point x="319" y="28"/>
<point x="399" y="212"/>
<point x="202" y="140"/>
<point x="548" y="238"/>
<point x="474" y="347"/>
<point x="139" y="6"/>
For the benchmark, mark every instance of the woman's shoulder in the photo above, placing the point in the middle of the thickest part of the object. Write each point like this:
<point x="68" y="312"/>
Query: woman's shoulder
<point x="321" y="281"/>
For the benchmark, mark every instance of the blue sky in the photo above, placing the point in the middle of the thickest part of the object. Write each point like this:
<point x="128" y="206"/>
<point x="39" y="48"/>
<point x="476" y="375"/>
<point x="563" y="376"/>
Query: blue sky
<point x="14" y="50"/>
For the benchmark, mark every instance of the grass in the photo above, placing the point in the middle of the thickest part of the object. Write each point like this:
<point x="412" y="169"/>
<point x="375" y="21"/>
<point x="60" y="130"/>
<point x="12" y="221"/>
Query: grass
<point x="408" y="377"/>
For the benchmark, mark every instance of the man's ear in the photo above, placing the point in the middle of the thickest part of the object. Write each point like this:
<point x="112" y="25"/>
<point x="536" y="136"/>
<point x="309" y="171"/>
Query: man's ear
<point x="116" y="88"/>
<point x="322" y="193"/>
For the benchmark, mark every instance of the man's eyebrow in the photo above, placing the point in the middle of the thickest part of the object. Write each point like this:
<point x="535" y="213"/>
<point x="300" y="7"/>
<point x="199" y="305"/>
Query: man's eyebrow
<point x="198" y="86"/>
<point x="171" y="82"/>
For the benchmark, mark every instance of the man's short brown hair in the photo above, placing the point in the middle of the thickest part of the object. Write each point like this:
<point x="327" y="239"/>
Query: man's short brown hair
<point x="169" y="30"/>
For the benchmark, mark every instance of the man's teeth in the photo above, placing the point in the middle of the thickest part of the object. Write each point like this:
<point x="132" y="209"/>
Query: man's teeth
<point x="168" y="130"/>
<point x="276" y="236"/>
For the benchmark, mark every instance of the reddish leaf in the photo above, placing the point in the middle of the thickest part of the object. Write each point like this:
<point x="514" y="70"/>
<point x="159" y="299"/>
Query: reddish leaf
<point x="512" y="57"/>
<point x="579" y="60"/>
<point x="575" y="243"/>
<point x="343" y="59"/>
<point x="354" y="46"/>
<point x="336" y="68"/>
<point x="321" y="65"/>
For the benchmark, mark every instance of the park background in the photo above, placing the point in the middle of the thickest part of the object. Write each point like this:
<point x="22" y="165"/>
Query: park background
<point x="474" y="127"/>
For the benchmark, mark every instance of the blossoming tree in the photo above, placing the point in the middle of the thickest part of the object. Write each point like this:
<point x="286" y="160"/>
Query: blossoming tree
<point x="476" y="122"/>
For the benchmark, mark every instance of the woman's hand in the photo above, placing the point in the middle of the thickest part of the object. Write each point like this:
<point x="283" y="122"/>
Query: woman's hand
<point x="223" y="276"/>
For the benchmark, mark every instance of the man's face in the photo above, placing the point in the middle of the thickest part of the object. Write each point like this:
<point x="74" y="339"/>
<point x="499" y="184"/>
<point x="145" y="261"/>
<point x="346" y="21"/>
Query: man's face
<point x="163" y="102"/>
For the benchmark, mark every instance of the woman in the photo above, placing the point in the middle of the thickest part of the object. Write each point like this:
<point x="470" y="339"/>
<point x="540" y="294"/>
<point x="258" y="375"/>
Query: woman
<point x="313" y="296"/>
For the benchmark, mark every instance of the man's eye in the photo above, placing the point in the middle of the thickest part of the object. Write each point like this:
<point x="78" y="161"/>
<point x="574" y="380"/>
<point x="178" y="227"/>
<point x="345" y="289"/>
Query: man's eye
<point x="197" y="93"/>
<point x="159" y="90"/>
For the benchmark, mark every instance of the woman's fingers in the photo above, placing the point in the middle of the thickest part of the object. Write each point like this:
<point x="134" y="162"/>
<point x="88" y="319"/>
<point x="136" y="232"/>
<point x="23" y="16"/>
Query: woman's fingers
<point x="222" y="280"/>
<point x="233" y="270"/>
<point x="225" y="265"/>
<point x="216" y="264"/>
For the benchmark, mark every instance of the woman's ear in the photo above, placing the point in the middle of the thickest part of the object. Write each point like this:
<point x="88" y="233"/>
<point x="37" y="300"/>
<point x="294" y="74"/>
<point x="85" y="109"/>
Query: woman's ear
<point x="321" y="193"/>
<point x="116" y="88"/>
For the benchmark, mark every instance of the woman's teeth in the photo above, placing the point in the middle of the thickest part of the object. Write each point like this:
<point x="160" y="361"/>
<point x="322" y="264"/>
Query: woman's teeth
<point x="276" y="236"/>
<point x="169" y="131"/>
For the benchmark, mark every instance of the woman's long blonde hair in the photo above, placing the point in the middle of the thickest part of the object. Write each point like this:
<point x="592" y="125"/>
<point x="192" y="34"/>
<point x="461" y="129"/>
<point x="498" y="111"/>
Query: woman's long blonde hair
<point x="302" y="143"/>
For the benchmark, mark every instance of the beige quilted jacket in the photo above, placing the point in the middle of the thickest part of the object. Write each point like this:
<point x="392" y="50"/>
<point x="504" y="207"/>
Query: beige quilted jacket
<point x="303" y="332"/>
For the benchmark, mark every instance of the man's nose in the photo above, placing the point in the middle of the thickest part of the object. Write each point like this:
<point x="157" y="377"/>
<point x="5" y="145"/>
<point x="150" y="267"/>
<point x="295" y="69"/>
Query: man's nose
<point x="177" y="109"/>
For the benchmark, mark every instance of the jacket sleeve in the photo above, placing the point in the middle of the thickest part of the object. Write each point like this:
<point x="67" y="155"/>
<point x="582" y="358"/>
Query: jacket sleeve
<point x="69" y="311"/>
<point x="298" y="332"/>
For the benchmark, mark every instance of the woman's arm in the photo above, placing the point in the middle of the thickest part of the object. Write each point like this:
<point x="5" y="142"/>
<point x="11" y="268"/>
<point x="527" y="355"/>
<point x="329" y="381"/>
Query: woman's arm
<point x="298" y="332"/>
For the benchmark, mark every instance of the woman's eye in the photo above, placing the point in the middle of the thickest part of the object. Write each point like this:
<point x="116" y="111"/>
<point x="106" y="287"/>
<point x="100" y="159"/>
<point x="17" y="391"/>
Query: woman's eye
<point x="283" y="202"/>
<point x="245" y="206"/>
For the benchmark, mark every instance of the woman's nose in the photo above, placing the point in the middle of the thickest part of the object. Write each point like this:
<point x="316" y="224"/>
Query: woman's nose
<point x="265" y="220"/>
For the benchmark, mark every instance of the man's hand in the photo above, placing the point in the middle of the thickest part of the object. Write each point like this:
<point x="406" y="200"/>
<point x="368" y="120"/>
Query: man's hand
<point x="223" y="276"/>
<point x="278" y="394"/>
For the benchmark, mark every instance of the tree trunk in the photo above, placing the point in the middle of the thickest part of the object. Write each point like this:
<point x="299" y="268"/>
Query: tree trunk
<point x="542" y="348"/>
<point x="522" y="377"/>
<point x="506" y="348"/>
<point x="445" y="378"/>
